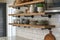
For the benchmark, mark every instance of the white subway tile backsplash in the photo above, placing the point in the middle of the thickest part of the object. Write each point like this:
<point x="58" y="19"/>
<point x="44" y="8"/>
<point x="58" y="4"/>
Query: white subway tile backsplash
<point x="37" y="33"/>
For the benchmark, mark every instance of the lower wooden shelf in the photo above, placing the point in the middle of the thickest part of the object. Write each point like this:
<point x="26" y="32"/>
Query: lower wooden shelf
<point x="35" y="26"/>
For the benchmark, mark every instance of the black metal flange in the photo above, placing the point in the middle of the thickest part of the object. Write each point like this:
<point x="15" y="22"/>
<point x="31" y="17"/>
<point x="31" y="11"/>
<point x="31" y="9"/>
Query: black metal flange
<point x="49" y="16"/>
<point x="29" y="16"/>
<point x="46" y="28"/>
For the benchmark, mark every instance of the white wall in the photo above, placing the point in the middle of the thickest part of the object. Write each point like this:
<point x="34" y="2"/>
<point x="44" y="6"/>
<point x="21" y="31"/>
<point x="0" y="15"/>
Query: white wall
<point x="11" y="31"/>
<point x="34" y="33"/>
<point x="37" y="33"/>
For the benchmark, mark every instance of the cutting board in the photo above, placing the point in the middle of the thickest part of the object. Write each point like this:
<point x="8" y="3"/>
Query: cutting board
<point x="50" y="36"/>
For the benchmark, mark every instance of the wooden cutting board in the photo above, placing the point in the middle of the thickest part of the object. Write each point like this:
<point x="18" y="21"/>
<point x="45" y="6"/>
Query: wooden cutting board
<point x="50" y="36"/>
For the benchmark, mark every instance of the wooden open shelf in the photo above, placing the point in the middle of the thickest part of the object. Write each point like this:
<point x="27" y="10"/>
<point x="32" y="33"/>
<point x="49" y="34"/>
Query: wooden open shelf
<point x="26" y="3"/>
<point x="27" y="14"/>
<point x="35" y="26"/>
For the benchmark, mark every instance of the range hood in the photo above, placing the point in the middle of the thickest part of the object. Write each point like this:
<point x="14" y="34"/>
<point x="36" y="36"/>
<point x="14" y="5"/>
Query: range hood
<point x="52" y="6"/>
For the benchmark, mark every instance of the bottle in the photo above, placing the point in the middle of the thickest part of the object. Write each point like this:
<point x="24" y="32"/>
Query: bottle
<point x="31" y="8"/>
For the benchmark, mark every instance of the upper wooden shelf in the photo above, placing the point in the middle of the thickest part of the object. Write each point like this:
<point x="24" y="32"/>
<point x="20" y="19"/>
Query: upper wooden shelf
<point x="26" y="3"/>
<point x="26" y="14"/>
<point x="35" y="26"/>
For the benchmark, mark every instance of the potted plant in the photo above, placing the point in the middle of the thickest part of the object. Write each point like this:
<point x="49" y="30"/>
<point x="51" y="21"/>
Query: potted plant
<point x="39" y="7"/>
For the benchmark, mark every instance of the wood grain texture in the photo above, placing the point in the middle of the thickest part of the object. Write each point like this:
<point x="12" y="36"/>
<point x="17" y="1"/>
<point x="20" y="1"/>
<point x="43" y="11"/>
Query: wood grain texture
<point x="26" y="14"/>
<point x="35" y="26"/>
<point x="26" y="3"/>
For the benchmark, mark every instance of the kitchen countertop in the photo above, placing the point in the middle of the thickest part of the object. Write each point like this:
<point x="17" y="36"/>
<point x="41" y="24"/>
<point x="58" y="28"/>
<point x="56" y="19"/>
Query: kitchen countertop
<point x="13" y="38"/>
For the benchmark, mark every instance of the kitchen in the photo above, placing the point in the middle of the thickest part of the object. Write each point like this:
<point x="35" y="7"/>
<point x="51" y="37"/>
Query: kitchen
<point x="30" y="33"/>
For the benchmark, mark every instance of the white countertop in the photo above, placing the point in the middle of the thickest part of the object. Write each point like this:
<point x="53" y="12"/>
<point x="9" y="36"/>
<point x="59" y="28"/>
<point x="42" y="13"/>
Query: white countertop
<point x="13" y="38"/>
